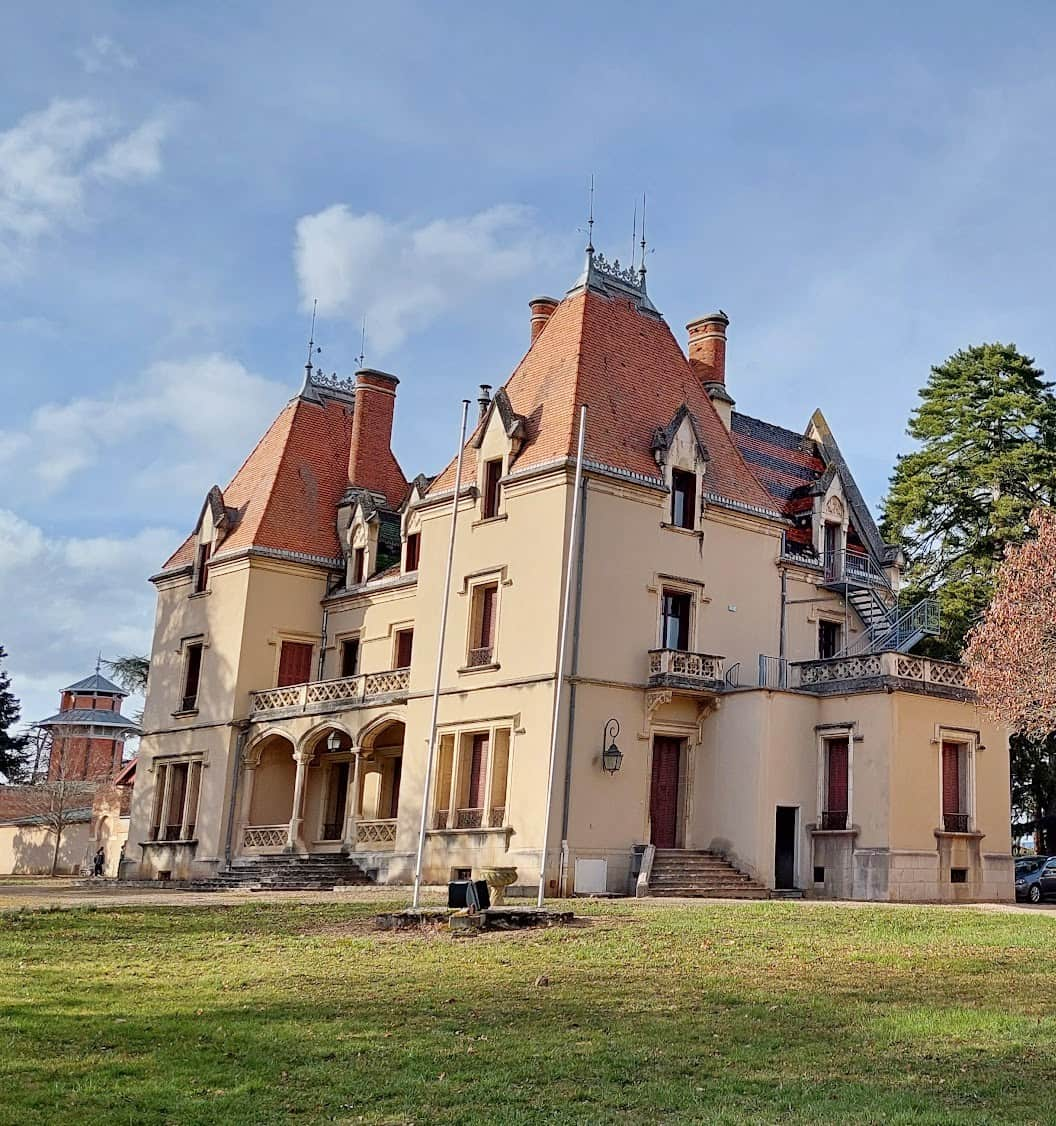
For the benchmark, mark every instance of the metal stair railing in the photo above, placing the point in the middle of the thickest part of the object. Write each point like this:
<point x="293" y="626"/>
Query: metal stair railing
<point x="853" y="567"/>
<point x="900" y="632"/>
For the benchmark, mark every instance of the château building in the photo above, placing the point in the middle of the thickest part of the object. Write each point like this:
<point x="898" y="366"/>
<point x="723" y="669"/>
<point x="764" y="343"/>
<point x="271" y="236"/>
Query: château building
<point x="741" y="709"/>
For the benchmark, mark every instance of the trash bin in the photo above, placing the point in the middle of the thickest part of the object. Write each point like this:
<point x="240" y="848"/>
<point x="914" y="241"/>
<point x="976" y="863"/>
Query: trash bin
<point x="468" y="893"/>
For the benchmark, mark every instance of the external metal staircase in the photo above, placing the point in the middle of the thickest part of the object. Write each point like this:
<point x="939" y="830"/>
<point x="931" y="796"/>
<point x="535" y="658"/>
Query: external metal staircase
<point x="888" y="625"/>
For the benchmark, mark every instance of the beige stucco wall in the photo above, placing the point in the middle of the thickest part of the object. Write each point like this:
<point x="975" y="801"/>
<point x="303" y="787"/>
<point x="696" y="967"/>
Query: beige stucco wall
<point x="28" y="850"/>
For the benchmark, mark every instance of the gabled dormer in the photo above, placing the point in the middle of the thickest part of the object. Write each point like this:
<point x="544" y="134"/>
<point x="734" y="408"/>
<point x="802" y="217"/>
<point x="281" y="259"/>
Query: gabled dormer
<point x="411" y="525"/>
<point x="499" y="438"/>
<point x="370" y="534"/>
<point x="215" y="521"/>
<point x="682" y="457"/>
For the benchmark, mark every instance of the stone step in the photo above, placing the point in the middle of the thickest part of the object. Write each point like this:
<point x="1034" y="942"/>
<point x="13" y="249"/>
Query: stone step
<point x="700" y="873"/>
<point x="698" y="892"/>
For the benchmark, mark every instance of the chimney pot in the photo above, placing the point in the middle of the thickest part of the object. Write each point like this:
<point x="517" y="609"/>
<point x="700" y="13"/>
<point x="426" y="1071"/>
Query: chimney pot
<point x="707" y="346"/>
<point x="485" y="399"/>
<point x="542" y="309"/>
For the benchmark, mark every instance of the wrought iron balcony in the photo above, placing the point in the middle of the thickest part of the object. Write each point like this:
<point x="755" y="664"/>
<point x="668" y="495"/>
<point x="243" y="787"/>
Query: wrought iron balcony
<point x="834" y="819"/>
<point x="676" y="668"/>
<point x="956" y="822"/>
<point x="322" y="696"/>
<point x="485" y="655"/>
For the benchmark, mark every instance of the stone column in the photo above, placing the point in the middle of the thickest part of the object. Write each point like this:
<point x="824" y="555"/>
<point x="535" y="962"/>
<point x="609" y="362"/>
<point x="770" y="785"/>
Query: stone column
<point x="302" y="759"/>
<point x="352" y="802"/>
<point x="456" y="770"/>
<point x="166" y="801"/>
<point x="190" y="799"/>
<point x="249" y="775"/>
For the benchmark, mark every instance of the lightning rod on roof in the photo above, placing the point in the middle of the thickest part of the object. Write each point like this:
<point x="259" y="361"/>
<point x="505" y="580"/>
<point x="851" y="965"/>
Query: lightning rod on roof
<point x="590" y="220"/>
<point x="634" y="233"/>
<point x="641" y="268"/>
<point x="362" y="343"/>
<point x="311" y="341"/>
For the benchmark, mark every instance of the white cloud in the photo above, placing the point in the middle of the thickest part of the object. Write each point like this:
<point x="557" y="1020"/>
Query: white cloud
<point x="167" y="427"/>
<point x="103" y="54"/>
<point x="51" y="160"/>
<point x="86" y="595"/>
<point x="401" y="276"/>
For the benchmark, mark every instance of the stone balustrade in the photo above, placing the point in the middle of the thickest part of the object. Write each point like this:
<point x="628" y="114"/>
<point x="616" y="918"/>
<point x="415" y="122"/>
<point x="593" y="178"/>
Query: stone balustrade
<point x="327" y="695"/>
<point x="905" y="669"/>
<point x="679" y="668"/>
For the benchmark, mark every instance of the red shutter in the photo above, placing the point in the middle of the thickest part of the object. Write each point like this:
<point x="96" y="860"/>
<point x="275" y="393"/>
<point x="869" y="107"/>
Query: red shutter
<point x="202" y="578"/>
<point x="413" y="549"/>
<point x="404" y="645"/>
<point x="836" y="801"/>
<point x="492" y="473"/>
<point x="487" y="617"/>
<point x="951" y="778"/>
<point x="295" y="663"/>
<point x="477" y="759"/>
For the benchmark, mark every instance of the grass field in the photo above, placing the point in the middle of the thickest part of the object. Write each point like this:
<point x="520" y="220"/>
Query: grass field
<point x="762" y="1012"/>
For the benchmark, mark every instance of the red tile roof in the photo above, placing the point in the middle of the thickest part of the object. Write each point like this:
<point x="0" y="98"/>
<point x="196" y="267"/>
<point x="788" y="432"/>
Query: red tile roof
<point x="287" y="491"/>
<point x="625" y="364"/>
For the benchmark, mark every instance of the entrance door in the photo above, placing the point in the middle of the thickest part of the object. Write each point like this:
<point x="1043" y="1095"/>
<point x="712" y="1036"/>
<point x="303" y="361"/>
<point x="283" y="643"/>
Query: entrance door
<point x="785" y="847"/>
<point x="663" y="793"/>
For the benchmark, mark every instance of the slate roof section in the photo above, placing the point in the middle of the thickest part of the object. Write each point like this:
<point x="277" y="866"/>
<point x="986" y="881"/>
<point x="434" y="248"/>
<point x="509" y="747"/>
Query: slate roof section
<point x="600" y="347"/>
<point x="96" y="717"/>
<point x="96" y="685"/>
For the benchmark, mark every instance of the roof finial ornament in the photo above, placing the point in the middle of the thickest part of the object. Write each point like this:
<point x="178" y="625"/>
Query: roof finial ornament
<point x="590" y="221"/>
<point x="641" y="268"/>
<point x="98" y="662"/>
<point x="361" y="358"/>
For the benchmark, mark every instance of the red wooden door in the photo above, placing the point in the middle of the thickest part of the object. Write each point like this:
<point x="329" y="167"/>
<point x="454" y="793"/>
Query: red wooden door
<point x="663" y="792"/>
<point x="295" y="663"/>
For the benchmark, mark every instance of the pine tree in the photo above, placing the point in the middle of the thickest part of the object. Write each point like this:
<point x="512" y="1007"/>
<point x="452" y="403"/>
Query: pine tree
<point x="12" y="747"/>
<point x="986" y="428"/>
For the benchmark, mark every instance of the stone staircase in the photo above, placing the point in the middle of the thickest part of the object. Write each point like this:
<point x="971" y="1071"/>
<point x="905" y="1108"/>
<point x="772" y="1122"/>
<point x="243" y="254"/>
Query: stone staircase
<point x="293" y="872"/>
<point x="701" y="874"/>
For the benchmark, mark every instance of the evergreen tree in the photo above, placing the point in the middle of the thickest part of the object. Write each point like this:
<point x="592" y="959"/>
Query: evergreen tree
<point x="986" y="428"/>
<point x="1034" y="789"/>
<point x="12" y="747"/>
<point x="130" y="672"/>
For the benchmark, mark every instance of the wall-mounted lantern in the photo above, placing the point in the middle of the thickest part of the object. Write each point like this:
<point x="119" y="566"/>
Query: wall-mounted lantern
<point x="611" y="755"/>
<point x="333" y="742"/>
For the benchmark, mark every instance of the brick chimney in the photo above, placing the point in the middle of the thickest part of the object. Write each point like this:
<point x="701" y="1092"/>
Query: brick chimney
<point x="542" y="309"/>
<point x="707" y="357"/>
<point x="371" y="464"/>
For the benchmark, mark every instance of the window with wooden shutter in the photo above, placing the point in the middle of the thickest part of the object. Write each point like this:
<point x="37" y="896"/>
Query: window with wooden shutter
<point x="836" y="787"/>
<point x="201" y="574"/>
<point x="478" y="758"/>
<point x="358" y="563"/>
<point x="404" y="647"/>
<point x="295" y="663"/>
<point x="414" y="547"/>
<point x="492" y="489"/>
<point x="482" y="625"/>
<point x="954" y="803"/>
<point x="683" y="499"/>
<point x="350" y="656"/>
<point x="674" y="625"/>
<point x="192" y="675"/>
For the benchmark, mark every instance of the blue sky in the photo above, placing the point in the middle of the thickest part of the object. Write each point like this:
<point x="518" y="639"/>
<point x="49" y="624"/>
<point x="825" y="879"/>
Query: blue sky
<point x="863" y="192"/>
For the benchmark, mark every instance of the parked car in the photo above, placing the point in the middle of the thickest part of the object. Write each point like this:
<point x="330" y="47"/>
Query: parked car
<point x="1035" y="877"/>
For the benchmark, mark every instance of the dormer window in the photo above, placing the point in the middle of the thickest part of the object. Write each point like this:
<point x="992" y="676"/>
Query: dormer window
<point x="492" y="489"/>
<point x="683" y="499"/>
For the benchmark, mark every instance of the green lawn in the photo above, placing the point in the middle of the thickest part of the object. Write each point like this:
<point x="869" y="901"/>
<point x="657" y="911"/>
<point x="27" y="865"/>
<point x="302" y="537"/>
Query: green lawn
<point x="761" y="1012"/>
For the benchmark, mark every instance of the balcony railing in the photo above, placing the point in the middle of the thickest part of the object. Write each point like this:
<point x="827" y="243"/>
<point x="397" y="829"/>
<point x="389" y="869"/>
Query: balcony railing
<point x="348" y="691"/>
<point x="956" y="822"/>
<point x="471" y="818"/>
<point x="482" y="656"/>
<point x="378" y="833"/>
<point x="675" y="665"/>
<point x="834" y="819"/>
<point x="873" y="666"/>
<point x="265" y="836"/>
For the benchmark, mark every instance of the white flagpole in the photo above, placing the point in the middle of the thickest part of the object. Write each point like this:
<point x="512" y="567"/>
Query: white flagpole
<point x="439" y="663"/>
<point x="573" y="529"/>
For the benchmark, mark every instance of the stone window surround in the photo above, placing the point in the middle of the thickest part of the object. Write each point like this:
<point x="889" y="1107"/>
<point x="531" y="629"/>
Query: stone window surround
<point x="969" y="740"/>
<point x="461" y="734"/>
<point x="697" y="602"/>
<point x="824" y="733"/>
<point x="182" y="646"/>
<point x="471" y="583"/>
<point x="160" y="768"/>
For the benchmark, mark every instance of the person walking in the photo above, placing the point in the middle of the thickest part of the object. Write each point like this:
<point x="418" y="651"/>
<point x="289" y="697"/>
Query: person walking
<point x="99" y="863"/>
